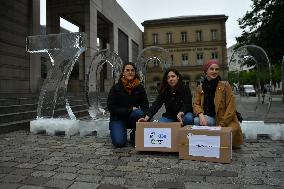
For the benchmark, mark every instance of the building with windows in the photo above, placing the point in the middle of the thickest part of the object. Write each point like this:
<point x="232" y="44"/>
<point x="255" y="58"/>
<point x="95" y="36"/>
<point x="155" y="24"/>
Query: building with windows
<point x="106" y="24"/>
<point x="191" y="41"/>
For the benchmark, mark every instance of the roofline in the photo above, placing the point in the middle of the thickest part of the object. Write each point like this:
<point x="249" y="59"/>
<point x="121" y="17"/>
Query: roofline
<point x="196" y="18"/>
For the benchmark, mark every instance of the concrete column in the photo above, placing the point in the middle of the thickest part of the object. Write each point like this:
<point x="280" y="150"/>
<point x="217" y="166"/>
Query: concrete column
<point x="35" y="61"/>
<point x="52" y="19"/>
<point x="91" y="31"/>
<point x="129" y="50"/>
<point x="282" y="80"/>
<point x="113" y="38"/>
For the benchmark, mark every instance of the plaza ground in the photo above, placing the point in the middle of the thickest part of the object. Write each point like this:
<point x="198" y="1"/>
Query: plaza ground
<point x="30" y="161"/>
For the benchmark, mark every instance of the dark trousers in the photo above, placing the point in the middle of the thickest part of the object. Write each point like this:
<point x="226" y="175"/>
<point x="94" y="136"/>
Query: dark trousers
<point x="118" y="128"/>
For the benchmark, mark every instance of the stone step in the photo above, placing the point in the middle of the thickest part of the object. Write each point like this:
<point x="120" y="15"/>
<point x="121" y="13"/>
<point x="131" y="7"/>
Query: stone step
<point x="60" y="112"/>
<point x="14" y="125"/>
<point x="18" y="116"/>
<point x="17" y="108"/>
<point x="17" y="101"/>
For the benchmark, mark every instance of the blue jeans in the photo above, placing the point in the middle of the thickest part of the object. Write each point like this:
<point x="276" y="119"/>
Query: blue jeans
<point x="118" y="128"/>
<point x="187" y="119"/>
<point x="210" y="121"/>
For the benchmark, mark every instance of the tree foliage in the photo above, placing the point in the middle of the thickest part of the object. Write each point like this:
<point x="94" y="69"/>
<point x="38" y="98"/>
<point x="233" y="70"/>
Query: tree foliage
<point x="264" y="26"/>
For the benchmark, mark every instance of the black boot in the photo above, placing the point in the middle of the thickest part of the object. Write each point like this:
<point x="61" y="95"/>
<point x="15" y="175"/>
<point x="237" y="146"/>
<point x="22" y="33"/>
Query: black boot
<point x="132" y="138"/>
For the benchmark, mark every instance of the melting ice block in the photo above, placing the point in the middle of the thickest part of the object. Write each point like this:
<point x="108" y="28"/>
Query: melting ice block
<point x="253" y="128"/>
<point x="53" y="126"/>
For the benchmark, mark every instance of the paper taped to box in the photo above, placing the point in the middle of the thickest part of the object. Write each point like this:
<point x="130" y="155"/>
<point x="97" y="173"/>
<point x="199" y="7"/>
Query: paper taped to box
<point x="155" y="136"/>
<point x="203" y="145"/>
<point x="212" y="144"/>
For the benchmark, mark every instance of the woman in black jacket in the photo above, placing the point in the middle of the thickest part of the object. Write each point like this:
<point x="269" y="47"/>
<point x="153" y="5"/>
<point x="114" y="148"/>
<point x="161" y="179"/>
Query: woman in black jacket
<point x="127" y="102"/>
<point x="177" y="100"/>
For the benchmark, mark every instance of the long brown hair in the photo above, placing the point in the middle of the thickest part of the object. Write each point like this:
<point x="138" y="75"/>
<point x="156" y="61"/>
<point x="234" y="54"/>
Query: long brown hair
<point x="133" y="65"/>
<point x="164" y="84"/>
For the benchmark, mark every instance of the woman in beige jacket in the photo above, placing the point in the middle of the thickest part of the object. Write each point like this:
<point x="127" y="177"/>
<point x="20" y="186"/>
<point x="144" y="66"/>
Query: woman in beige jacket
<point x="214" y="103"/>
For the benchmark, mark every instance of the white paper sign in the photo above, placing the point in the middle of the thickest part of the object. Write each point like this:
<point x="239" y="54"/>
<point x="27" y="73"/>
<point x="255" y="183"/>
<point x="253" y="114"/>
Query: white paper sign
<point x="157" y="137"/>
<point x="203" y="145"/>
<point x="206" y="128"/>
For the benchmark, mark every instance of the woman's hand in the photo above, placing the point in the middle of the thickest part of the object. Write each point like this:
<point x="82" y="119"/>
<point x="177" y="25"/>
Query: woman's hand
<point x="202" y="119"/>
<point x="134" y="108"/>
<point x="180" y="116"/>
<point x="145" y="119"/>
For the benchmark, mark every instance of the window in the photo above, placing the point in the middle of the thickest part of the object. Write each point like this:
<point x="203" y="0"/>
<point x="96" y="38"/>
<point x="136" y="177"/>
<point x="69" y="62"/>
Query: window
<point x="186" y="79"/>
<point x="199" y="58"/>
<point x="156" y="63"/>
<point x="213" y="35"/>
<point x="170" y="37"/>
<point x="172" y="58"/>
<point x="183" y="37"/>
<point x="155" y="38"/>
<point x="214" y="55"/>
<point x="198" y="35"/>
<point x="184" y="59"/>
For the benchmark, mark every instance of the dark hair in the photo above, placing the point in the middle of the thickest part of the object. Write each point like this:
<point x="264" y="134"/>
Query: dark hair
<point x="164" y="84"/>
<point x="133" y="65"/>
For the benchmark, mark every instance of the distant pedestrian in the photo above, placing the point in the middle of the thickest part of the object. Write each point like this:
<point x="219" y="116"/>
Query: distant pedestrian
<point x="127" y="102"/>
<point x="176" y="97"/>
<point x="214" y="103"/>
<point x="264" y="91"/>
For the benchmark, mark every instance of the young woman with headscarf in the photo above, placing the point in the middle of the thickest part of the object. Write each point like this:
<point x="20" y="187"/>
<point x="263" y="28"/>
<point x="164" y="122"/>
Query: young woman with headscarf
<point x="214" y="103"/>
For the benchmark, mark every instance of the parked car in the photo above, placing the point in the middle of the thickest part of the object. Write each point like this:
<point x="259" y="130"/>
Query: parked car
<point x="248" y="90"/>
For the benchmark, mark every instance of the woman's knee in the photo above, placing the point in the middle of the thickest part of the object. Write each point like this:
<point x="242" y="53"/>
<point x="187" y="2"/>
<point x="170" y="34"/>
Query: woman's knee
<point x="136" y="114"/>
<point x="166" y="120"/>
<point x="188" y="119"/>
<point x="210" y="121"/>
<point x="196" y="121"/>
<point x="118" y="133"/>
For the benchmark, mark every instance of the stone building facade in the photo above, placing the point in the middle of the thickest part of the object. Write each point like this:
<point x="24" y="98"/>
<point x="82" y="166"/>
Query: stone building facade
<point x="191" y="41"/>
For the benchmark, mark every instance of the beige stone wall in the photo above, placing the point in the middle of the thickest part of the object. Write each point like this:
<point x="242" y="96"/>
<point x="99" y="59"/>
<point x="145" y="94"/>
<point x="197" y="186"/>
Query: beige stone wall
<point x="193" y="69"/>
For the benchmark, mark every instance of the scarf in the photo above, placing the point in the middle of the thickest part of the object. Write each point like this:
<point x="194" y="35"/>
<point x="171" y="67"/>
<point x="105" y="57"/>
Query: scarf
<point x="130" y="85"/>
<point x="209" y="88"/>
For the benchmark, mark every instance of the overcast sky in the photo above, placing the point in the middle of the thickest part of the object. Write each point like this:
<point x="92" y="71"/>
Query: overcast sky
<point x="141" y="10"/>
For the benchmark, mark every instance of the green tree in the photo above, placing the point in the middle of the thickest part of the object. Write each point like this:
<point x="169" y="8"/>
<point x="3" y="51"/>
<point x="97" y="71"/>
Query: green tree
<point x="264" y="26"/>
<point x="233" y="76"/>
<point x="276" y="74"/>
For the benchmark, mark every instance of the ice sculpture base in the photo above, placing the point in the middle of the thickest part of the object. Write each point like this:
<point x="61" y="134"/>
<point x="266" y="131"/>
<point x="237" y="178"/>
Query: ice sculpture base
<point x="253" y="128"/>
<point x="69" y="127"/>
<point x="97" y="127"/>
<point x="53" y="126"/>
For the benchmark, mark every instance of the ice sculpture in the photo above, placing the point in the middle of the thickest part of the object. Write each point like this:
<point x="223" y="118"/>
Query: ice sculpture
<point x="64" y="50"/>
<point x="93" y="81"/>
<point x="253" y="59"/>
<point x="152" y="54"/>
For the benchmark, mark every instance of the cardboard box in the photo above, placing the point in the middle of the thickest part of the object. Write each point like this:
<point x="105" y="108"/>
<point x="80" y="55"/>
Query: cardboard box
<point x="213" y="144"/>
<point x="155" y="136"/>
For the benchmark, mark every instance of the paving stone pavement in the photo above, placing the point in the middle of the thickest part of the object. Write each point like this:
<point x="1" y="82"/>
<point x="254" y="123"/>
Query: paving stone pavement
<point x="29" y="161"/>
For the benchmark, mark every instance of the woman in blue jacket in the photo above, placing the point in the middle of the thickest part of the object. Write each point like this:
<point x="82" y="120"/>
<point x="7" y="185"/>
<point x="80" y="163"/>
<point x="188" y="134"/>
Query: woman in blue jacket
<point x="177" y="100"/>
<point x="127" y="102"/>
